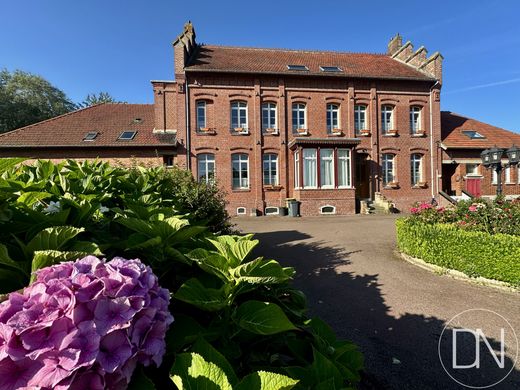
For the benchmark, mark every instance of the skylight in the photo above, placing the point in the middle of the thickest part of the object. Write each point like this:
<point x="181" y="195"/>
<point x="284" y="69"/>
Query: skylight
<point x="90" y="136"/>
<point x="297" y="67"/>
<point x="330" y="69"/>
<point x="473" y="134"/>
<point x="127" y="135"/>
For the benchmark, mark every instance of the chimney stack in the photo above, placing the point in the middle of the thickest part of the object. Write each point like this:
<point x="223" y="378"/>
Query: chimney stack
<point x="395" y="44"/>
<point x="183" y="47"/>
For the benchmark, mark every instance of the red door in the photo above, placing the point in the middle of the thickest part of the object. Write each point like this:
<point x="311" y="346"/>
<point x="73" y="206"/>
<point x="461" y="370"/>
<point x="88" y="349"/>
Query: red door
<point x="473" y="186"/>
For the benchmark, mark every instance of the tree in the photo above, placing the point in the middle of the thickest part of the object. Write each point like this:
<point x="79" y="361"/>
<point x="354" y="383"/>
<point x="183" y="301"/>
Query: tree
<point x="101" y="97"/>
<point x="27" y="98"/>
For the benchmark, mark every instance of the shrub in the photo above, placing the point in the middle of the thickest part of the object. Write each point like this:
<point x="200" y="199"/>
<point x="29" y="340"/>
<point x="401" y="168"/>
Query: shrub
<point x="473" y="252"/>
<point x="83" y="325"/>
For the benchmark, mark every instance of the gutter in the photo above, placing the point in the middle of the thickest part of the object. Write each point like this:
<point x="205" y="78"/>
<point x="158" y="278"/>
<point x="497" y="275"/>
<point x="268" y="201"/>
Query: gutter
<point x="432" y="171"/>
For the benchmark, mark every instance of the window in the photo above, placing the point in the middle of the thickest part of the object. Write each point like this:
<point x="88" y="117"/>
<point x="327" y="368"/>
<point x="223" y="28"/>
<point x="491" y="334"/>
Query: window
<point x="297" y="67"/>
<point x="206" y="167"/>
<point x="240" y="168"/>
<point x="518" y="174"/>
<point x="472" y="170"/>
<point x="360" y="118"/>
<point x="270" y="162"/>
<point x="201" y="114"/>
<point x="239" y="115"/>
<point x="344" y="179"/>
<point x="298" y="116"/>
<point x="330" y="69"/>
<point x="508" y="175"/>
<point x="473" y="134"/>
<point x="415" y="119"/>
<point x="241" y="211"/>
<point x="310" y="169"/>
<point x="332" y="117"/>
<point x="387" y="122"/>
<point x="416" y="169"/>
<point x="388" y="165"/>
<point x="127" y="135"/>
<point x="90" y="136"/>
<point x="494" y="178"/>
<point x="327" y="168"/>
<point x="327" y="210"/>
<point x="268" y="116"/>
<point x="168" y="160"/>
<point x="297" y="169"/>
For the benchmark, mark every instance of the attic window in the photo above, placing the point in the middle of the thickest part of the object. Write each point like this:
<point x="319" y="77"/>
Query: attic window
<point x="330" y="69"/>
<point x="473" y="134"/>
<point x="127" y="135"/>
<point x="297" y="67"/>
<point x="90" y="136"/>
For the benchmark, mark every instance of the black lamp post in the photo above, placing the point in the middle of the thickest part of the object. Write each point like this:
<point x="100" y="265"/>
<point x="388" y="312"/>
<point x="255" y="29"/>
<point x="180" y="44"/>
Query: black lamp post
<point x="492" y="159"/>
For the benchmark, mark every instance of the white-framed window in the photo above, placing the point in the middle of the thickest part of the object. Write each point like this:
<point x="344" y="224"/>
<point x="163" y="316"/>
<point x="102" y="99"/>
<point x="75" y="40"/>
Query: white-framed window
<point x="239" y="115"/>
<point x="360" y="118"/>
<point x="328" y="209"/>
<point x="310" y="168"/>
<point x="332" y="117"/>
<point x="415" y="119"/>
<point x="494" y="177"/>
<point x="168" y="160"/>
<point x="388" y="165"/>
<point x="472" y="169"/>
<point x="297" y="169"/>
<point x="298" y="116"/>
<point x="201" y="114"/>
<point x="270" y="169"/>
<point x="508" y="175"/>
<point x="344" y="176"/>
<point x="268" y="116"/>
<point x="240" y="168"/>
<point x="326" y="168"/>
<point x="206" y="167"/>
<point x="387" y="118"/>
<point x="416" y="169"/>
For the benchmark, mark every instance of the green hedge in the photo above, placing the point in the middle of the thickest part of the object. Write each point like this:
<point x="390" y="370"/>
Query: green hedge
<point x="474" y="253"/>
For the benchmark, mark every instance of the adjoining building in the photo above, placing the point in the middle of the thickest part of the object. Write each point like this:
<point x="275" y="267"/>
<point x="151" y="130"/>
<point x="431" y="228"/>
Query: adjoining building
<point x="329" y="129"/>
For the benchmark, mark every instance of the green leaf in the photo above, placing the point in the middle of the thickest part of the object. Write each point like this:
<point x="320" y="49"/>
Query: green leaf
<point x="8" y="163"/>
<point x="141" y="241"/>
<point x="263" y="318"/>
<point x="184" y="330"/>
<point x="191" y="371"/>
<point x="264" y="380"/>
<point x="210" y="354"/>
<point x="211" y="262"/>
<point x="323" y="370"/>
<point x="140" y="381"/>
<point x="261" y="271"/>
<point x="7" y="261"/>
<point x="223" y="244"/>
<point x="241" y="249"/>
<point x="29" y="198"/>
<point x="187" y="232"/>
<point x="52" y="238"/>
<point x="86" y="247"/>
<point x="207" y="299"/>
<point x="322" y="330"/>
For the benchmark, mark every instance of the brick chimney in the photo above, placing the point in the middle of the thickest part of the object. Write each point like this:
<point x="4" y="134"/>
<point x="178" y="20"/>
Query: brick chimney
<point x="395" y="44"/>
<point x="183" y="48"/>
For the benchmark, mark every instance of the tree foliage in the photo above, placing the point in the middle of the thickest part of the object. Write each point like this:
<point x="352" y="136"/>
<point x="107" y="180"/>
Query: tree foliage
<point x="26" y="98"/>
<point x="101" y="97"/>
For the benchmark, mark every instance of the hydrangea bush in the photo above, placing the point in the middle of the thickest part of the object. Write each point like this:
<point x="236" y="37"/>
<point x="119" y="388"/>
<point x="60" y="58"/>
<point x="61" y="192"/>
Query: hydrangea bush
<point x="83" y="325"/>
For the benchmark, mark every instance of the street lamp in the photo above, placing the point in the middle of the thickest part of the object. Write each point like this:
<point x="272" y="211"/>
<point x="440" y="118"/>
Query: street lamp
<point x="492" y="159"/>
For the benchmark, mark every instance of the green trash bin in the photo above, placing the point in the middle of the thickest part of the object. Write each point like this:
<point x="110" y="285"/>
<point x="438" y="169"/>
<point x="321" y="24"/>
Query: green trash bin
<point x="294" y="207"/>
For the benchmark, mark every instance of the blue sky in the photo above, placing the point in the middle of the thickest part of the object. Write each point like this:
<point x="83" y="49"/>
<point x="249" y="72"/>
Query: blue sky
<point x="119" y="46"/>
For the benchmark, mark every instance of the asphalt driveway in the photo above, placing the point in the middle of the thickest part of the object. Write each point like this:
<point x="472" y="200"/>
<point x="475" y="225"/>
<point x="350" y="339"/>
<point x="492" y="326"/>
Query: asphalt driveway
<point x="394" y="310"/>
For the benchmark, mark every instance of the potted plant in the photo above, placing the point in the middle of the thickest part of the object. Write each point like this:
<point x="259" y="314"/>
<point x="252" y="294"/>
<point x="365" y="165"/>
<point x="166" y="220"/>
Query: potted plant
<point x="301" y="131"/>
<point x="392" y="133"/>
<point x="337" y="132"/>
<point x="393" y="184"/>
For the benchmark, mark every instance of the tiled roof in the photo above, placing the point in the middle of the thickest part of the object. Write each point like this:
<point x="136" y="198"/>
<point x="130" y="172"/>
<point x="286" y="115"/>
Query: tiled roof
<point x="109" y="120"/>
<point x="275" y="61"/>
<point x="453" y="125"/>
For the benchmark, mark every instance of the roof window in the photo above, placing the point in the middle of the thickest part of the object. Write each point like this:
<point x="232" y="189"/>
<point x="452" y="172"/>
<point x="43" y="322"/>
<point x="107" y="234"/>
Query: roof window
<point x="127" y="135"/>
<point x="90" y="136"/>
<point x="473" y="134"/>
<point x="297" y="67"/>
<point x="330" y="69"/>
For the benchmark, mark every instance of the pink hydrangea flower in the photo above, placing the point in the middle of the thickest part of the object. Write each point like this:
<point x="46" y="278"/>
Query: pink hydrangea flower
<point x="83" y="325"/>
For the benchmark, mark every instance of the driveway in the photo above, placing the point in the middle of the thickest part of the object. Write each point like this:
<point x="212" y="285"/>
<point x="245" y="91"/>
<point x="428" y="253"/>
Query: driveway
<point x="393" y="310"/>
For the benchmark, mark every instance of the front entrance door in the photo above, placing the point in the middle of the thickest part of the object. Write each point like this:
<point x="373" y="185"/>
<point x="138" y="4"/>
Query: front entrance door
<point x="473" y="186"/>
<point x="362" y="176"/>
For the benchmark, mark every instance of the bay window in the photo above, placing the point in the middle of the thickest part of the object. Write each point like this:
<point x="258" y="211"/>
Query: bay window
<point x="297" y="169"/>
<point x="331" y="166"/>
<point x="327" y="168"/>
<point x="310" y="169"/>
<point x="344" y="179"/>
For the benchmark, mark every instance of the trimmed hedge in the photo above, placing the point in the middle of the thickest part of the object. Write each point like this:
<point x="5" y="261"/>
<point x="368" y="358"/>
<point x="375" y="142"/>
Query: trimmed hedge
<point x="474" y="253"/>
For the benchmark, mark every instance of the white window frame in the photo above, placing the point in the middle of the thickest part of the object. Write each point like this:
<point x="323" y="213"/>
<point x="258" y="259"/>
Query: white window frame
<point x="323" y="160"/>
<point x="387" y="118"/>
<point x="333" y="117"/>
<point x="507" y="175"/>
<point x="299" y="112"/>
<point x="387" y="174"/>
<point x="476" y="171"/>
<point x="297" y="169"/>
<point x="416" y="169"/>
<point x="310" y="155"/>
<point x="360" y="111"/>
<point x="346" y="160"/>
<point x="206" y="160"/>
<point x="328" y="213"/>
<point x="494" y="177"/>
<point x="415" y="119"/>
<point x="269" y="159"/>
<point x="240" y="159"/>
<point x="270" y="109"/>
<point x="201" y="107"/>
<point x="239" y="107"/>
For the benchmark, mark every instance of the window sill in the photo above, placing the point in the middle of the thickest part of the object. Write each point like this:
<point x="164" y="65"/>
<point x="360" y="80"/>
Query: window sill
<point x="363" y="133"/>
<point x="391" y="133"/>
<point x="419" y="186"/>
<point x="240" y="131"/>
<point x="302" y="132"/>
<point x="335" y="133"/>
<point x="241" y="190"/>
<point x="418" y="135"/>
<point x="273" y="132"/>
<point x="268" y="187"/>
<point x="206" y="132"/>
<point x="392" y="186"/>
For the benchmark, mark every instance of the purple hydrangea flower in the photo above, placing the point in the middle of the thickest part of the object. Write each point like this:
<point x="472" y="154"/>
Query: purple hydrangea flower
<point x="83" y="325"/>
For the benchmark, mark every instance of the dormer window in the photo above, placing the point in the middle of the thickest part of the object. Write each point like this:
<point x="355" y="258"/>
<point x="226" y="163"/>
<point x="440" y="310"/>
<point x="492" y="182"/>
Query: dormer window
<point x="90" y="136"/>
<point x="127" y="135"/>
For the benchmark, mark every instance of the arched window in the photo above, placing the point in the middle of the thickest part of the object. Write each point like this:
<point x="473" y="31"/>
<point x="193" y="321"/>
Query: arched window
<point x="269" y="116"/>
<point x="415" y="119"/>
<point x="387" y="118"/>
<point x="270" y="169"/>
<point x="360" y="118"/>
<point x="298" y="116"/>
<point x="239" y="115"/>
<point x="416" y="169"/>
<point x="388" y="168"/>
<point x="206" y="167"/>
<point x="332" y="117"/>
<point x="240" y="169"/>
